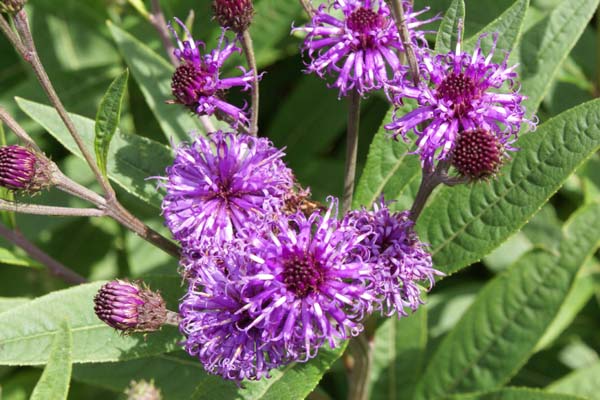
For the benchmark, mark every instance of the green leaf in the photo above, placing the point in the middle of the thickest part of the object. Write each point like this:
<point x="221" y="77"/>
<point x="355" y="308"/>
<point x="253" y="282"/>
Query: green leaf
<point x="178" y="376"/>
<point x="153" y="75"/>
<point x="132" y="159"/>
<point x="516" y="394"/>
<point x="9" y="258"/>
<point x="389" y="168"/>
<point x="508" y="26"/>
<point x="582" y="382"/>
<point x="447" y="35"/>
<point x="295" y="381"/>
<point x="108" y="117"/>
<point x="547" y="44"/>
<point x="398" y="356"/>
<point x="27" y="331"/>
<point x="54" y="382"/>
<point x="501" y="329"/>
<point x="465" y="223"/>
<point x="8" y="303"/>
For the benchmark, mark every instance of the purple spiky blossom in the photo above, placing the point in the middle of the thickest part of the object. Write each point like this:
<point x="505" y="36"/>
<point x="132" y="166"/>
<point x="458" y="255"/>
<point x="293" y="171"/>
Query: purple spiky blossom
<point x="307" y="287"/>
<point x="460" y="92"/>
<point x="23" y="169"/>
<point x="223" y="183"/>
<point x="400" y="260"/>
<point x="215" y="323"/>
<point x="129" y="307"/>
<point x="197" y="82"/>
<point x="360" y="46"/>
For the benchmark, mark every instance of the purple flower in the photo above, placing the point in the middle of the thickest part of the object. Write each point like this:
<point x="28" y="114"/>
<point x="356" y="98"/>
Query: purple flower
<point x="215" y="323"/>
<point x="360" y="47"/>
<point x="400" y="261"/>
<point x="23" y="169"/>
<point x="221" y="184"/>
<point x="196" y="82"/>
<point x="460" y="92"/>
<point x="306" y="287"/>
<point x="126" y="307"/>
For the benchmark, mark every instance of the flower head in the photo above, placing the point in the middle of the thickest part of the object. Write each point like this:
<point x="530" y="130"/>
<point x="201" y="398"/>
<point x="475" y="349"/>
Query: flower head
<point x="126" y="307"/>
<point x="215" y="323"/>
<point x="460" y="92"/>
<point x="360" y="46"/>
<point x="477" y="154"/>
<point x="234" y="14"/>
<point x="23" y="169"/>
<point x="221" y="184"/>
<point x="305" y="287"/>
<point x="197" y="83"/>
<point x="400" y="261"/>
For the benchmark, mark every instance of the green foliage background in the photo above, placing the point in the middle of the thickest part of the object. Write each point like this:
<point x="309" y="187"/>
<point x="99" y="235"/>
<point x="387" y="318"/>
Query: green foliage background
<point x="520" y="249"/>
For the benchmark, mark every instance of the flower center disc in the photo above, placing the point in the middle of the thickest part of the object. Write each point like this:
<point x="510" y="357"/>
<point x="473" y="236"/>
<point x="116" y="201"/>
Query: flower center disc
<point x="303" y="276"/>
<point x="188" y="84"/>
<point x="458" y="88"/>
<point x="477" y="154"/>
<point x="364" y="20"/>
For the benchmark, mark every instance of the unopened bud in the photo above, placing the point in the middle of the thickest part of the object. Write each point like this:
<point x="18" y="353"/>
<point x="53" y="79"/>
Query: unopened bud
<point x="23" y="169"/>
<point x="126" y="307"/>
<point x="142" y="390"/>
<point x="478" y="154"/>
<point x="234" y="14"/>
<point x="11" y="6"/>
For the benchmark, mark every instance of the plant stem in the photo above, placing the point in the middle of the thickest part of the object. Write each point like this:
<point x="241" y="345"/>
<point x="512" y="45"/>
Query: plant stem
<point x="429" y="181"/>
<point x="36" y="209"/>
<point x="17" y="129"/>
<point x="157" y="19"/>
<point x="248" y="47"/>
<point x="109" y="204"/>
<point x="398" y="13"/>
<point x="308" y="8"/>
<point x="360" y="349"/>
<point x="351" y="149"/>
<point x="173" y="318"/>
<point x="33" y="59"/>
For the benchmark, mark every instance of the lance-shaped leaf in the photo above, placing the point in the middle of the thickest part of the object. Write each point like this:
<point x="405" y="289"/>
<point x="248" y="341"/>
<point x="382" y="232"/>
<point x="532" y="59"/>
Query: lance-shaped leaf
<point x="465" y="223"/>
<point x="27" y="331"/>
<point x="500" y="331"/>
<point x="516" y="394"/>
<point x="132" y="160"/>
<point x="108" y="117"/>
<point x="398" y="356"/>
<point x="447" y="35"/>
<point x="582" y="382"/>
<point x="55" y="380"/>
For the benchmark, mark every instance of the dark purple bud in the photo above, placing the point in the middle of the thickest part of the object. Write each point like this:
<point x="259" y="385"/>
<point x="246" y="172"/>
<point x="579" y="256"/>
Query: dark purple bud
<point x="234" y="14"/>
<point x="142" y="390"/>
<point x="11" y="6"/>
<point x="23" y="169"/>
<point x="478" y="154"/>
<point x="125" y="306"/>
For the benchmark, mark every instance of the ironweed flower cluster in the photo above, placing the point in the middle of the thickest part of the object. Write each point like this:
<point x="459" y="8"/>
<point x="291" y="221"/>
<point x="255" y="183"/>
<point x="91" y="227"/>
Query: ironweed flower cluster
<point x="269" y="285"/>
<point x="271" y="277"/>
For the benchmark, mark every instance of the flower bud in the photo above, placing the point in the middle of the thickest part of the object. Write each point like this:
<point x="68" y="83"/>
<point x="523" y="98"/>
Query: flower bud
<point x="478" y="154"/>
<point x="23" y="169"/>
<point x="125" y="306"/>
<point x="142" y="390"/>
<point x="11" y="6"/>
<point x="234" y="14"/>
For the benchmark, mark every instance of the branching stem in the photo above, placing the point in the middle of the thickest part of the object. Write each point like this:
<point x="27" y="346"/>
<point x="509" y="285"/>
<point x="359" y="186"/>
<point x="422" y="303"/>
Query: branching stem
<point x="351" y="149"/>
<point x="248" y="47"/>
